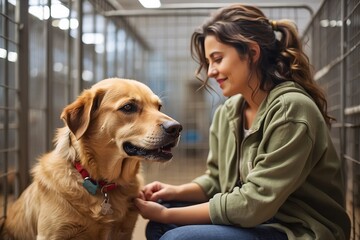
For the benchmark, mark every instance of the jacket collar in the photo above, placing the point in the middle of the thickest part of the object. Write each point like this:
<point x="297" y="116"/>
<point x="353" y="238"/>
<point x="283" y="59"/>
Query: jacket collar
<point x="234" y="104"/>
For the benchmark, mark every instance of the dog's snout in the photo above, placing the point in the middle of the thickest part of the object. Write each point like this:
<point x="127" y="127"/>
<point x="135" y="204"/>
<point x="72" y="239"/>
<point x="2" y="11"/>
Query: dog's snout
<point x="172" y="127"/>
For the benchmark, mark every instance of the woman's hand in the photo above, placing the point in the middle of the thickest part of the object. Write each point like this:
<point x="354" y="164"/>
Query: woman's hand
<point x="189" y="192"/>
<point x="151" y="210"/>
<point x="194" y="214"/>
<point x="157" y="190"/>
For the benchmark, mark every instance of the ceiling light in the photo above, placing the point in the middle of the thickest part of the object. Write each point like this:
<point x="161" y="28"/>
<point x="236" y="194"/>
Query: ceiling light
<point x="93" y="38"/>
<point x="150" y="3"/>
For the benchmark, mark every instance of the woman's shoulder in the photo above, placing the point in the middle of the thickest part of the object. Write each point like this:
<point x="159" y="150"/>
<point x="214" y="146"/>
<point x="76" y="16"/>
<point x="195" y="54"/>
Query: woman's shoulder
<point x="292" y="102"/>
<point x="290" y="94"/>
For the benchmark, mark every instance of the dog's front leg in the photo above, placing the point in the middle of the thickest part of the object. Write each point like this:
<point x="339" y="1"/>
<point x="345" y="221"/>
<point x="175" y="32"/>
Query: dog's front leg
<point x="125" y="230"/>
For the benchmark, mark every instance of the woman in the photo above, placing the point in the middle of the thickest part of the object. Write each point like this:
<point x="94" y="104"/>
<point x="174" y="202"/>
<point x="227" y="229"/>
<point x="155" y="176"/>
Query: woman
<point x="273" y="172"/>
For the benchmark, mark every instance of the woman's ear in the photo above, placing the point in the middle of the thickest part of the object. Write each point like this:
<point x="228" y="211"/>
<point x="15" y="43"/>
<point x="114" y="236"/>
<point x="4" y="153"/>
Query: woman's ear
<point x="254" y="52"/>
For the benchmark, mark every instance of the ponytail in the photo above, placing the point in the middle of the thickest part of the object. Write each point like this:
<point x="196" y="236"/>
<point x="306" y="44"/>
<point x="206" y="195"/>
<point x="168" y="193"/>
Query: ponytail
<point x="293" y="64"/>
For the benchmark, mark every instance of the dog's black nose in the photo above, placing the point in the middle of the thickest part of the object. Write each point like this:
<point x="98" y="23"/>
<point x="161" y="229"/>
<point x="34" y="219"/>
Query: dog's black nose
<point x="172" y="127"/>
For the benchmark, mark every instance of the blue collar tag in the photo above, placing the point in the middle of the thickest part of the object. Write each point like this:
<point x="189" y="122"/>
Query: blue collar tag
<point x="90" y="186"/>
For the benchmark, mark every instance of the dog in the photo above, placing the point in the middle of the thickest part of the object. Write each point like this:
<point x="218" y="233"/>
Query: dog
<point x="84" y="188"/>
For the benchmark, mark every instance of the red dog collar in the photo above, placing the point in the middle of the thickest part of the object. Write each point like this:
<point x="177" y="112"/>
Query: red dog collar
<point x="92" y="185"/>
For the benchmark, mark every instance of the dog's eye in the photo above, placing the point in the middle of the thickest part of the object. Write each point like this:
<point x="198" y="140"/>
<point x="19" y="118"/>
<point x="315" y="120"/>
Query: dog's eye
<point x="159" y="108"/>
<point x="129" y="108"/>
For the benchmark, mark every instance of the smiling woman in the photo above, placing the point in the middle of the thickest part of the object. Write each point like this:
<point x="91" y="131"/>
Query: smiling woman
<point x="270" y="155"/>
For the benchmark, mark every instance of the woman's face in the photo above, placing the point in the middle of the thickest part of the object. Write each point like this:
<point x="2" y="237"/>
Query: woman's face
<point x="226" y="67"/>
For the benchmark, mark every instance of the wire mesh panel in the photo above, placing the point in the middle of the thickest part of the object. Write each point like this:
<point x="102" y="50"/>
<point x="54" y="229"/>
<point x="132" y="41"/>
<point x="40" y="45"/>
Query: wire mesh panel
<point x="63" y="53"/>
<point x="170" y="71"/>
<point x="8" y="102"/>
<point x="352" y="109"/>
<point x="335" y="39"/>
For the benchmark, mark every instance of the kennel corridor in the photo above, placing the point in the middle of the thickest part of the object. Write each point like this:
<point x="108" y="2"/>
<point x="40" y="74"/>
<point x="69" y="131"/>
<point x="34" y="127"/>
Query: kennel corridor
<point x="52" y="49"/>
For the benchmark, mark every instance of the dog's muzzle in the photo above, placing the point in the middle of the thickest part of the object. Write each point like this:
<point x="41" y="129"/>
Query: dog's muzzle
<point x="161" y="150"/>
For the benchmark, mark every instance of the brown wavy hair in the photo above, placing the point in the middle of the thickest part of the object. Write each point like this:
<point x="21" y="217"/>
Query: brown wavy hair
<point x="281" y="55"/>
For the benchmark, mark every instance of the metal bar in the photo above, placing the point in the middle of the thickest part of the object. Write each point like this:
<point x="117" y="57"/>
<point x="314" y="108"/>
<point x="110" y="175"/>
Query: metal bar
<point x="115" y="4"/>
<point x="346" y="125"/>
<point x="8" y="108"/>
<point x="187" y="6"/>
<point x="8" y="39"/>
<point x="9" y="19"/>
<point x="11" y="126"/>
<point x="116" y="54"/>
<point x="68" y="57"/>
<point x="347" y="157"/>
<point x="23" y="82"/>
<point x="352" y="11"/>
<point x="176" y="9"/>
<point x="142" y="13"/>
<point x="79" y="47"/>
<point x="105" y="55"/>
<point x="126" y="53"/>
<point x="323" y="71"/>
<point x="93" y="53"/>
<point x="342" y="83"/>
<point x="6" y="112"/>
<point x="352" y="110"/>
<point x="7" y="173"/>
<point x="8" y="150"/>
<point x="49" y="80"/>
<point x="8" y="87"/>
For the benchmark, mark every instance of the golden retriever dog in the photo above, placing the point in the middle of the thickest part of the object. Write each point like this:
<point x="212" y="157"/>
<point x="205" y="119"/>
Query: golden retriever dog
<point x="84" y="188"/>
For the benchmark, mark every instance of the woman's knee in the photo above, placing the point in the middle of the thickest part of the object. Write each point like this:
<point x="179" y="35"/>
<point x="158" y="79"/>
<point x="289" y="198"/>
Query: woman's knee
<point x="155" y="230"/>
<point x="189" y="232"/>
<point x="176" y="234"/>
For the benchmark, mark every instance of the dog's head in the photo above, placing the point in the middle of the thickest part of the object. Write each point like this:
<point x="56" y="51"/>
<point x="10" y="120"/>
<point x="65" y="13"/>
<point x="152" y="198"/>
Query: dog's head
<point x="118" y="119"/>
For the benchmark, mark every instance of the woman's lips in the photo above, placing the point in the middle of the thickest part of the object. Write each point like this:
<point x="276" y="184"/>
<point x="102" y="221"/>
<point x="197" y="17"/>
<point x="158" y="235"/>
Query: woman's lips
<point x="220" y="81"/>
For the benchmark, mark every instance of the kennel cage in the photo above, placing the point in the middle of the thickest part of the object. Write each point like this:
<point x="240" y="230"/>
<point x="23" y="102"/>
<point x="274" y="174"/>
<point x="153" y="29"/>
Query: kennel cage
<point x="50" y="50"/>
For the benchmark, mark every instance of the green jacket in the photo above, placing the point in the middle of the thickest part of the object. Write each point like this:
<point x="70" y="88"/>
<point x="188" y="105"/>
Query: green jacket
<point x="289" y="170"/>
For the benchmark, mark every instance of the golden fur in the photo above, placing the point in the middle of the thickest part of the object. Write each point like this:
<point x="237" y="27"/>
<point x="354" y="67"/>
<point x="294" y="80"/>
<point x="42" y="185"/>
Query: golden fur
<point x="98" y="124"/>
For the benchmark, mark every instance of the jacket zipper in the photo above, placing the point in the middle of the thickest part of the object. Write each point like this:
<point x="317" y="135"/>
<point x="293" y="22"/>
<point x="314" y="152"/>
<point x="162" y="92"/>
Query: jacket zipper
<point x="241" y="150"/>
<point x="238" y="162"/>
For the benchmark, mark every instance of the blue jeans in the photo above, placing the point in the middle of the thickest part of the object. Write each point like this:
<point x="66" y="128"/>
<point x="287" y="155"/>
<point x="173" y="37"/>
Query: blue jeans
<point x="156" y="231"/>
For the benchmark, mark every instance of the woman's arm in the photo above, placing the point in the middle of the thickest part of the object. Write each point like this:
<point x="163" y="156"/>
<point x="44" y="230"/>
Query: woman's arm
<point x="190" y="192"/>
<point x="195" y="214"/>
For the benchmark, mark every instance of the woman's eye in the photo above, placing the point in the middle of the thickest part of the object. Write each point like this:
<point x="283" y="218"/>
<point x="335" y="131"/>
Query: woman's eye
<point x="129" y="108"/>
<point x="217" y="60"/>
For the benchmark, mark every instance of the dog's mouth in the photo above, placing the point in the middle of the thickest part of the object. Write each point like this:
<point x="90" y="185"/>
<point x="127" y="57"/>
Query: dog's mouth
<point x="162" y="153"/>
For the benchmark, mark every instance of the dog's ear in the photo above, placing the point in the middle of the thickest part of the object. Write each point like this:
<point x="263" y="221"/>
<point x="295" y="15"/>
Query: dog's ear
<point x="77" y="115"/>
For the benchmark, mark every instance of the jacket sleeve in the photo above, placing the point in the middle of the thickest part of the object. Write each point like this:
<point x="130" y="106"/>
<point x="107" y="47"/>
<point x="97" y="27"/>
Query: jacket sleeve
<point x="209" y="182"/>
<point x="280" y="165"/>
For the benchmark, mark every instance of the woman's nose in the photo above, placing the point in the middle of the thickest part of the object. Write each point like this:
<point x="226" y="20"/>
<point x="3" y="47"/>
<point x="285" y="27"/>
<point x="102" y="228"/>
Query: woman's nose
<point x="212" y="72"/>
